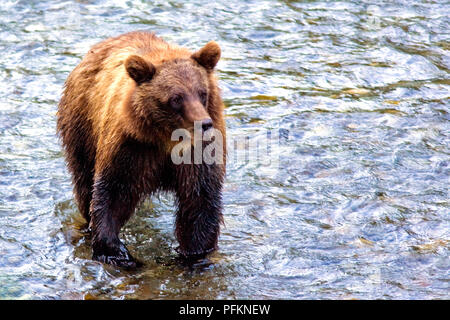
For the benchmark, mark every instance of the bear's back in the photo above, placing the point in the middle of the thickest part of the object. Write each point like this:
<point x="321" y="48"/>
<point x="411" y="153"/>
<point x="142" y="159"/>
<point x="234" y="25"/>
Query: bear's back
<point x="111" y="53"/>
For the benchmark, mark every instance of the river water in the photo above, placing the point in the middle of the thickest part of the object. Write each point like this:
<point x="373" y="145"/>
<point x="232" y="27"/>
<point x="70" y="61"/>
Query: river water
<point x="356" y="205"/>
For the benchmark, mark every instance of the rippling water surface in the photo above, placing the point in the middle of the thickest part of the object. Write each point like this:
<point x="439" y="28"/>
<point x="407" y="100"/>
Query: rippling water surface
<point x="358" y="207"/>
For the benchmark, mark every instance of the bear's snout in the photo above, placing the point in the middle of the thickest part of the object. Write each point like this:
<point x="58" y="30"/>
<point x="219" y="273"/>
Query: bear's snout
<point x="195" y="111"/>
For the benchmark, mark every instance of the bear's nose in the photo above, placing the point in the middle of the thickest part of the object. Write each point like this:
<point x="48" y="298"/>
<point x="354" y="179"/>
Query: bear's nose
<point x="206" y="124"/>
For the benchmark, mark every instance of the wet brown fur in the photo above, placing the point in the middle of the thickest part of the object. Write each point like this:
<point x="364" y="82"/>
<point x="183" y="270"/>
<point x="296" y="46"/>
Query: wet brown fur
<point x="116" y="125"/>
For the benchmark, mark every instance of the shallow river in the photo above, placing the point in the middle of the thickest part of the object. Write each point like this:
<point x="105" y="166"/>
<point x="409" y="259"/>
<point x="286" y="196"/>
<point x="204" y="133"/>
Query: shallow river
<point x="354" y="203"/>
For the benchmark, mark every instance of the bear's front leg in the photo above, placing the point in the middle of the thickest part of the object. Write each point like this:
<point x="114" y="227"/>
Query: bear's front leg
<point x="199" y="214"/>
<point x="117" y="190"/>
<point x="114" y="200"/>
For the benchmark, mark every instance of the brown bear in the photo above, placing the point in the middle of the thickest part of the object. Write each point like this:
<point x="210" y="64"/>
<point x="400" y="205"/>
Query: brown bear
<point x="117" y="112"/>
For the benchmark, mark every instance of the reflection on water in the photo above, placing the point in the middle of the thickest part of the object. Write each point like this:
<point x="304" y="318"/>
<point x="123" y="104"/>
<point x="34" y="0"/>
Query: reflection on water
<point x="358" y="207"/>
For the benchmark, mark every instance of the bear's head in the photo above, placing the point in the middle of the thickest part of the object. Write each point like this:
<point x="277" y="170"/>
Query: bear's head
<point x="173" y="94"/>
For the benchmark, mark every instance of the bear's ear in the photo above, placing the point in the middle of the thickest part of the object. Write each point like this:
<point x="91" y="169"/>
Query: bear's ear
<point x="139" y="69"/>
<point x="208" y="56"/>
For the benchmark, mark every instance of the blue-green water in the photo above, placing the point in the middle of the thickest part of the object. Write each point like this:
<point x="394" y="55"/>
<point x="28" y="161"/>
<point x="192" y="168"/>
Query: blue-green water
<point x="359" y="206"/>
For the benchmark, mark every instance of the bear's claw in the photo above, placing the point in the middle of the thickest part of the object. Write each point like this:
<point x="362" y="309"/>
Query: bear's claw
<point x="130" y="264"/>
<point x="119" y="257"/>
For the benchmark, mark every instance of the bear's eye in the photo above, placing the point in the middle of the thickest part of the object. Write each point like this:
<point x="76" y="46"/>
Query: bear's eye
<point x="203" y="96"/>
<point x="176" y="102"/>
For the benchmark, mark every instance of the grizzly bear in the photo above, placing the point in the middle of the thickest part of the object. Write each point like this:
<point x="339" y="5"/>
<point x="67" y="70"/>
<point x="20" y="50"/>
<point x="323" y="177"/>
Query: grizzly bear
<point x="115" y="118"/>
